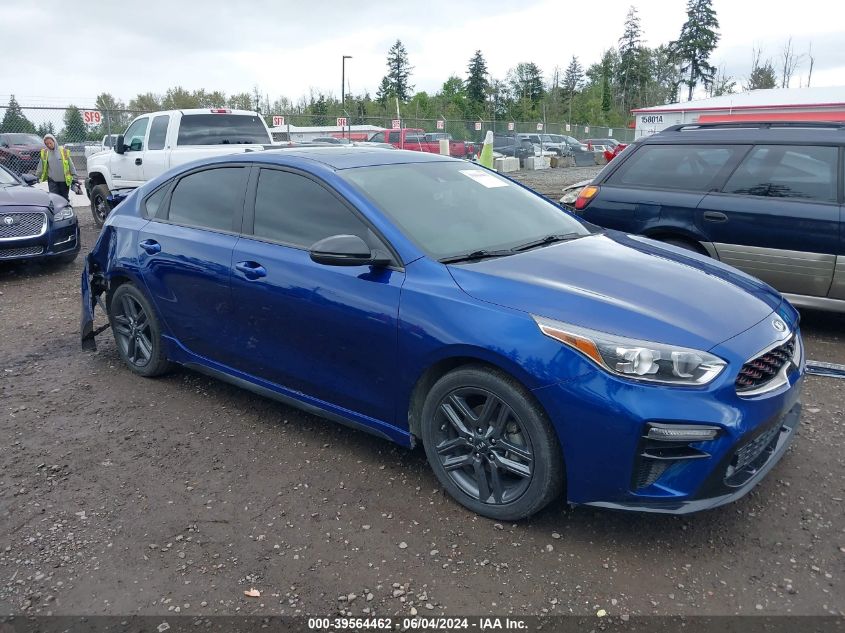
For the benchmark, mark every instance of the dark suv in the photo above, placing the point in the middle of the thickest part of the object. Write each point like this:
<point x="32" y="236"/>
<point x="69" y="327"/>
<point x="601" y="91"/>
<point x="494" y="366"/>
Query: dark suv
<point x="766" y="198"/>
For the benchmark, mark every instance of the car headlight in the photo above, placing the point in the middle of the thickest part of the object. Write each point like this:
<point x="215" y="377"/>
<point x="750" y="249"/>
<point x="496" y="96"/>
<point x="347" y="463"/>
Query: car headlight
<point x="639" y="360"/>
<point x="65" y="213"/>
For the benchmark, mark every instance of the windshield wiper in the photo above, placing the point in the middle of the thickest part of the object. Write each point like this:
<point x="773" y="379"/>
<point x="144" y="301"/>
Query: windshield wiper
<point x="474" y="256"/>
<point x="548" y="239"/>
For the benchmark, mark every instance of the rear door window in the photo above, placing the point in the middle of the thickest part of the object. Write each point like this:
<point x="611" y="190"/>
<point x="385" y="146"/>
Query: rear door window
<point x="787" y="171"/>
<point x="222" y="129"/>
<point x="378" y="137"/>
<point x="209" y="199"/>
<point x="686" y="167"/>
<point x="393" y="137"/>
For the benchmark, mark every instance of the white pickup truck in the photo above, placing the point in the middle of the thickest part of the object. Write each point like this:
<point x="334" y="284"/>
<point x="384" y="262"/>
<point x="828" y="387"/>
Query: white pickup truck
<point x="155" y="142"/>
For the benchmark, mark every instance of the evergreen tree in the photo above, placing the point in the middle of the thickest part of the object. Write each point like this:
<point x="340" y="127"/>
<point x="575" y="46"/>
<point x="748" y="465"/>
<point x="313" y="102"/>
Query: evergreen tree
<point x="14" y="119"/>
<point x="477" y="85"/>
<point x="526" y="82"/>
<point x="762" y="76"/>
<point x="74" y="130"/>
<point x="147" y="102"/>
<point x="632" y="70"/>
<point x="399" y="71"/>
<point x="699" y="36"/>
<point x="46" y="128"/>
<point x="573" y="78"/>
<point x="384" y="92"/>
<point x="319" y="108"/>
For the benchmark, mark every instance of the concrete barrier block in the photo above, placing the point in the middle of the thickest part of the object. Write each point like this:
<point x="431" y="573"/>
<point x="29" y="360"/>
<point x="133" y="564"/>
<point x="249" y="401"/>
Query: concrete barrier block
<point x="506" y="164"/>
<point x="537" y="162"/>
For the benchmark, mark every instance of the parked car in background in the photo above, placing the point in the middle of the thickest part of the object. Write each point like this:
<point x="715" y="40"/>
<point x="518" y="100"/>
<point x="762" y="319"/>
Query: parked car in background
<point x="153" y="143"/>
<point x="417" y="140"/>
<point x="19" y="152"/>
<point x="35" y="224"/>
<point x="582" y="154"/>
<point x="105" y="144"/>
<point x="508" y="145"/>
<point x="609" y="147"/>
<point x="331" y="139"/>
<point x="534" y="356"/>
<point x="763" y="197"/>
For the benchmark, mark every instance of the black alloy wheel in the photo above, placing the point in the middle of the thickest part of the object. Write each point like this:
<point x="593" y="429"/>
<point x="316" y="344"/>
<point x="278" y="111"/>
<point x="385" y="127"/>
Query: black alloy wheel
<point x="482" y="446"/>
<point x="136" y="332"/>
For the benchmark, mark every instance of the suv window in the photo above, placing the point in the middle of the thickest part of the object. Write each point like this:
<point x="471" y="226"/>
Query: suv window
<point x="393" y="137"/>
<point x="783" y="171"/>
<point x="209" y="199"/>
<point x="690" y="167"/>
<point x="222" y="129"/>
<point x="134" y="137"/>
<point x="295" y="210"/>
<point x="158" y="132"/>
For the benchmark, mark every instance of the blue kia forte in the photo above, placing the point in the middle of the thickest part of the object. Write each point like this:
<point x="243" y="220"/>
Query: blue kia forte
<point x="426" y="300"/>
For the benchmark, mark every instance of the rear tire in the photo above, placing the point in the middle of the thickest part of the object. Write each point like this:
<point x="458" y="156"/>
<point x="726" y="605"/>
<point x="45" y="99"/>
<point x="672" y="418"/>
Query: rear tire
<point x="100" y="207"/>
<point x="137" y="332"/>
<point x="490" y="445"/>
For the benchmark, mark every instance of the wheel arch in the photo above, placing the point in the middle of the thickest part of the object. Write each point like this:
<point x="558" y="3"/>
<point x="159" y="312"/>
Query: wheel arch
<point x="683" y="235"/>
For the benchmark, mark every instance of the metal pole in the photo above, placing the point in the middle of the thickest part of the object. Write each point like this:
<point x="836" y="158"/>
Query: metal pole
<point x="343" y="86"/>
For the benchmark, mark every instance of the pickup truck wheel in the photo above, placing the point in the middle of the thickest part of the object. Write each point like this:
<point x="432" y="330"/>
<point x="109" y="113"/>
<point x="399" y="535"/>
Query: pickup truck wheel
<point x="100" y="207"/>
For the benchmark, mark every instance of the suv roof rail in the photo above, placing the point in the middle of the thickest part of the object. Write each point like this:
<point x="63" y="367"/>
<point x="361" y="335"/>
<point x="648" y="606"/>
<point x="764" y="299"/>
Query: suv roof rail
<point x="836" y="125"/>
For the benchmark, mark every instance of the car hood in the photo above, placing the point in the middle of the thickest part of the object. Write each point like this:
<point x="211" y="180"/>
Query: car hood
<point x="21" y="195"/>
<point x="625" y="285"/>
<point x="23" y="149"/>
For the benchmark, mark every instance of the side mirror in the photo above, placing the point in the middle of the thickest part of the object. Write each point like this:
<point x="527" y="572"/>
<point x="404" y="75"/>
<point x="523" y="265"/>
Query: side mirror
<point x="346" y="250"/>
<point x="29" y="179"/>
<point x="136" y="145"/>
<point x="119" y="147"/>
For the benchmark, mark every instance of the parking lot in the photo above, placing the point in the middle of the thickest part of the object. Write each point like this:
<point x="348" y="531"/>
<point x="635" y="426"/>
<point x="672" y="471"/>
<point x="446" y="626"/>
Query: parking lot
<point x="120" y="495"/>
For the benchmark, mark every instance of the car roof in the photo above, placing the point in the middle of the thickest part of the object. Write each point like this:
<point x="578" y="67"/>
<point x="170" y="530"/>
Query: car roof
<point x="828" y="133"/>
<point x="345" y="157"/>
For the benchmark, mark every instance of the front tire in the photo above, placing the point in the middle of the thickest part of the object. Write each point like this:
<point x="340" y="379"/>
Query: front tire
<point x="137" y="332"/>
<point x="100" y="207"/>
<point x="490" y="445"/>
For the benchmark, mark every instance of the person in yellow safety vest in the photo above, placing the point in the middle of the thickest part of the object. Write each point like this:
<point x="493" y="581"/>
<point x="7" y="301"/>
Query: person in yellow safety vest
<point x="56" y="167"/>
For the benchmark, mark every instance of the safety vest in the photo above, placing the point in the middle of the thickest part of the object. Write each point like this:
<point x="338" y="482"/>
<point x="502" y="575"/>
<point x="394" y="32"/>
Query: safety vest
<point x="65" y="154"/>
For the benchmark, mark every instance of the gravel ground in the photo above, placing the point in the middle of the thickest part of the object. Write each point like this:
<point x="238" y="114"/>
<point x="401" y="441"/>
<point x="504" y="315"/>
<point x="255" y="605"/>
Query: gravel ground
<point x="550" y="182"/>
<point x="120" y="495"/>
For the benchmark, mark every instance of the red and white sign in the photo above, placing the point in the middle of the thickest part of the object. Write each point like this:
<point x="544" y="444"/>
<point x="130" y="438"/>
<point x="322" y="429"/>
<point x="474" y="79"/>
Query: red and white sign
<point x="441" y="125"/>
<point x="278" y="121"/>
<point x="477" y="126"/>
<point x="586" y="129"/>
<point x="92" y="117"/>
<point x="568" y="127"/>
<point x="539" y="127"/>
<point x="341" y="121"/>
<point x="510" y="126"/>
<point x="396" y="124"/>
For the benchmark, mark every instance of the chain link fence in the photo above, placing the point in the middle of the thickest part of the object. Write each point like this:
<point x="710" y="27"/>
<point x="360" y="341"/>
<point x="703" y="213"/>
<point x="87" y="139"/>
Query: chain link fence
<point x="86" y="131"/>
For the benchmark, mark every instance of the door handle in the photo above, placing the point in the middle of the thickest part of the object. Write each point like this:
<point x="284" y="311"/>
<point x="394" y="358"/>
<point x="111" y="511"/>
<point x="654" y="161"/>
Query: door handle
<point x="251" y="270"/>
<point x="715" y="216"/>
<point x="138" y="161"/>
<point x="150" y="246"/>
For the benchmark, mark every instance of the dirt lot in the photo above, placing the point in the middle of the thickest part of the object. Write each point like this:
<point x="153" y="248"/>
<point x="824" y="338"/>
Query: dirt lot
<point x="120" y="495"/>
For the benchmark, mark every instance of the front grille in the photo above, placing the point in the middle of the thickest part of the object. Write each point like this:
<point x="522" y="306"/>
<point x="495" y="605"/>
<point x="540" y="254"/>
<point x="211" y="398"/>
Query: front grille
<point x="9" y="253"/>
<point x="22" y="225"/>
<point x="752" y="456"/>
<point x="759" y="371"/>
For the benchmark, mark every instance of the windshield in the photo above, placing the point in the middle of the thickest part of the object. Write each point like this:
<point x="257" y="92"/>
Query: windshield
<point x="21" y="139"/>
<point x="7" y="179"/>
<point x="217" y="129"/>
<point x="454" y="208"/>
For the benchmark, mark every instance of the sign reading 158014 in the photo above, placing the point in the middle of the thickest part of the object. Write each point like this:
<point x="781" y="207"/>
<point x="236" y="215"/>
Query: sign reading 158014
<point x="651" y="118"/>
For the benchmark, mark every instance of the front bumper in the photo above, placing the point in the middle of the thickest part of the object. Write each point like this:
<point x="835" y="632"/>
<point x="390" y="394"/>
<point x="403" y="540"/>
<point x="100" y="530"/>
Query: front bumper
<point x="59" y="240"/>
<point x="602" y="422"/>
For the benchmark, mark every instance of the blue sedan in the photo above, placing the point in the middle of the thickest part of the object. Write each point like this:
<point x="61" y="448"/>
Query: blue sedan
<point x="426" y="300"/>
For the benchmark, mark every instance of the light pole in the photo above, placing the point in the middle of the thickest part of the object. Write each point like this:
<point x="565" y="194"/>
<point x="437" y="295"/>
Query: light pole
<point x="343" y="84"/>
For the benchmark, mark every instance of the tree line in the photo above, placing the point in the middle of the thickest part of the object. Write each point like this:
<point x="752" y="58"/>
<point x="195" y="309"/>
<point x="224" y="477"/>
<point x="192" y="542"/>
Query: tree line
<point x="627" y="76"/>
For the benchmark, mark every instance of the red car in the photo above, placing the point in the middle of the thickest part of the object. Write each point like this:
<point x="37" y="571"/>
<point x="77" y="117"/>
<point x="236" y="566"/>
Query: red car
<point x="20" y="152"/>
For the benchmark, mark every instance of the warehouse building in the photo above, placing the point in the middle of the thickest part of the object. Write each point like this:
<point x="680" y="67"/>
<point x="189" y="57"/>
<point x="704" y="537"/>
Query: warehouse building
<point x="777" y="104"/>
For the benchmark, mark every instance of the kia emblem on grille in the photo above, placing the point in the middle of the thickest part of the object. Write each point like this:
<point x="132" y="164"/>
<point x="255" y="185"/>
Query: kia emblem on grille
<point x="8" y="220"/>
<point x="779" y="325"/>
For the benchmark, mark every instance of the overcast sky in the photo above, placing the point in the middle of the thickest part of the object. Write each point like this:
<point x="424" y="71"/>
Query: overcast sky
<point x="58" y="53"/>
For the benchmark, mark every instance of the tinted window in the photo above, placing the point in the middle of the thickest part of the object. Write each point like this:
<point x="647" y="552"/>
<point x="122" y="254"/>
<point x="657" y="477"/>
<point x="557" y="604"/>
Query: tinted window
<point x="158" y="132"/>
<point x="209" y="199"/>
<point x="153" y="202"/>
<point x="393" y="137"/>
<point x="691" y="167"/>
<point x="296" y="210"/>
<point x="221" y="129"/>
<point x="134" y="136"/>
<point x="780" y="171"/>
<point x="378" y="137"/>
